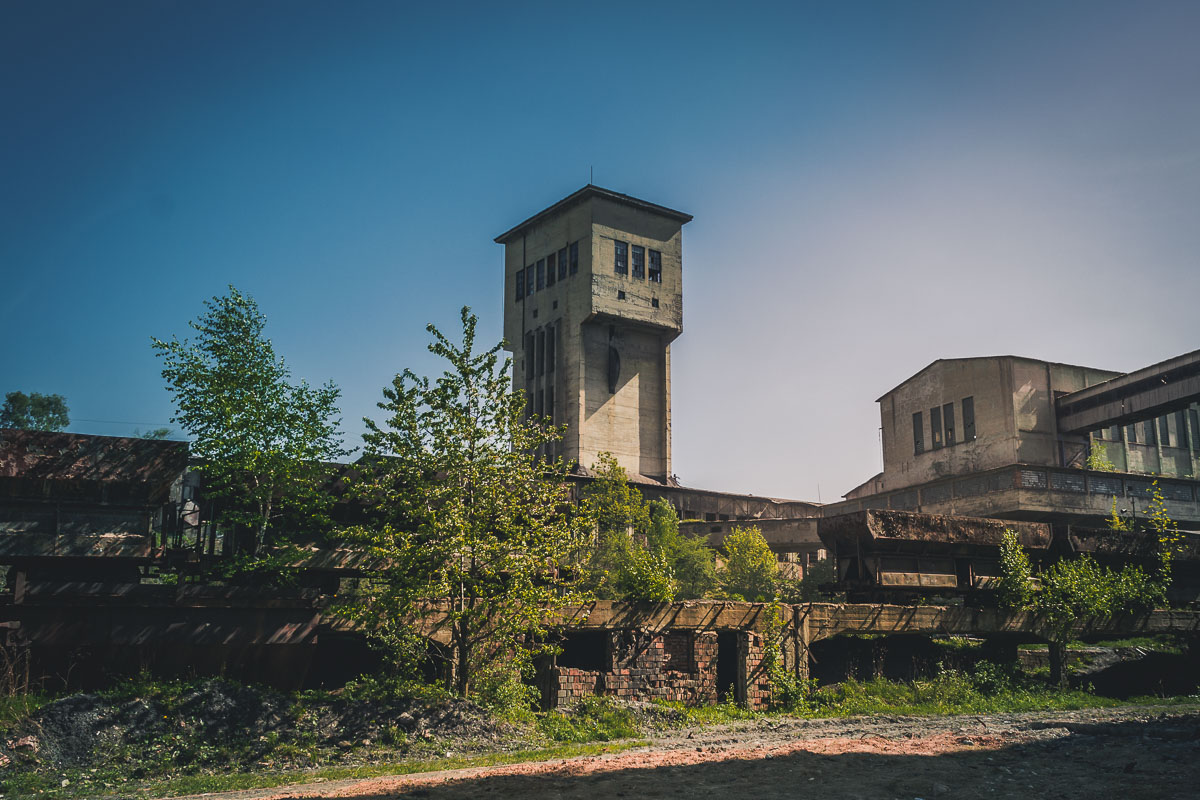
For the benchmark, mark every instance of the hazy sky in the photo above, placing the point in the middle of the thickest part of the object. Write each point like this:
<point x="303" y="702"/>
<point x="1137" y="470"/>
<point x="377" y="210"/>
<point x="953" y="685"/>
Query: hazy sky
<point x="875" y="186"/>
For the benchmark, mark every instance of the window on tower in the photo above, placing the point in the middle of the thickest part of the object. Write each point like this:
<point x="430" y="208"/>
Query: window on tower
<point x="655" y="266"/>
<point x="562" y="264"/>
<point x="551" y="268"/>
<point x="639" y="261"/>
<point x="621" y="258"/>
<point x="529" y="280"/>
<point x="541" y="353"/>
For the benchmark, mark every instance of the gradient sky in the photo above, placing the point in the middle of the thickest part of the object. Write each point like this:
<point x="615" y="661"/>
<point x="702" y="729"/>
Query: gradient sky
<point x="875" y="186"/>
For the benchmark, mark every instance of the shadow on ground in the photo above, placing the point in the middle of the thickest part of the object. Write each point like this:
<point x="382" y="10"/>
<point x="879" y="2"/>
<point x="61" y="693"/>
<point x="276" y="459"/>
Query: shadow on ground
<point x="1127" y="760"/>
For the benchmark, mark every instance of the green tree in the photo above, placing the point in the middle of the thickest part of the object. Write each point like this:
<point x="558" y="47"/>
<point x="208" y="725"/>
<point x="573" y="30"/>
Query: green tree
<point x="1098" y="460"/>
<point x="619" y="564"/>
<point x="264" y="443"/>
<point x="692" y="561"/>
<point x="464" y="513"/>
<point x="1073" y="594"/>
<point x="1015" y="588"/>
<point x="34" y="412"/>
<point x="751" y="570"/>
<point x="638" y="551"/>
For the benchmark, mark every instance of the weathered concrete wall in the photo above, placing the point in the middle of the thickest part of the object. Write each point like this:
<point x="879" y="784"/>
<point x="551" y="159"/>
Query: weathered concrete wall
<point x="607" y="326"/>
<point x="1013" y="410"/>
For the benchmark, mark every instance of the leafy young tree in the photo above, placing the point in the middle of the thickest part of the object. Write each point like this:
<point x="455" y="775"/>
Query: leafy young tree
<point x="618" y="565"/>
<point x="264" y="443"/>
<point x="34" y="412"/>
<point x="1097" y="458"/>
<point x="464" y="511"/>
<point x="751" y="569"/>
<point x="638" y="551"/>
<point x="1073" y="592"/>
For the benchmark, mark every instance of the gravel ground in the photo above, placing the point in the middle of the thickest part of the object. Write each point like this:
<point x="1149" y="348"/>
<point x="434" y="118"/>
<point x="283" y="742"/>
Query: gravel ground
<point x="1127" y="753"/>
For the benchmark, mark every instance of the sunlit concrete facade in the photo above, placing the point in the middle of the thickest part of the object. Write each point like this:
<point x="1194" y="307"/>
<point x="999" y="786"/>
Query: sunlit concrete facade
<point x="593" y="289"/>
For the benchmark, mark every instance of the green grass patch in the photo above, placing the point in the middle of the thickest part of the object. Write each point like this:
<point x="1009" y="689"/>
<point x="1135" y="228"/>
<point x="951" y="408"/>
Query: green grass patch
<point x="594" y="719"/>
<point x="83" y="784"/>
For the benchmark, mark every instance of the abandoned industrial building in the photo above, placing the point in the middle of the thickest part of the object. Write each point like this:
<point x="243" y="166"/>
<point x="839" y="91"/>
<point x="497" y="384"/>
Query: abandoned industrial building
<point x="593" y="299"/>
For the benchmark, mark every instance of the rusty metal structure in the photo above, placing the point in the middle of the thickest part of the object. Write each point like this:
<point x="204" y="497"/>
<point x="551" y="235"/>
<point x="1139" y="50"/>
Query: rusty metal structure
<point x="881" y="553"/>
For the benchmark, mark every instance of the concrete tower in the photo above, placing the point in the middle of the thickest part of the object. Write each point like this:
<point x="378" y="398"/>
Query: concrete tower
<point x="593" y="298"/>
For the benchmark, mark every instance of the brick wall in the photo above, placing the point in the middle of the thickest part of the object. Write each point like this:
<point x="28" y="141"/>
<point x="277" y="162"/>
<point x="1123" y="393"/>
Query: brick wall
<point x="677" y="666"/>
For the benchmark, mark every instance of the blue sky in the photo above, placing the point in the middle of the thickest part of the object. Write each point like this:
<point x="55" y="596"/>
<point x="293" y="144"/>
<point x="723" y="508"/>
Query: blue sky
<point x="875" y="185"/>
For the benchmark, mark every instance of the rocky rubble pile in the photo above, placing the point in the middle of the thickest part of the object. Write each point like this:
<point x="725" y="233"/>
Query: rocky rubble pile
<point x="217" y="722"/>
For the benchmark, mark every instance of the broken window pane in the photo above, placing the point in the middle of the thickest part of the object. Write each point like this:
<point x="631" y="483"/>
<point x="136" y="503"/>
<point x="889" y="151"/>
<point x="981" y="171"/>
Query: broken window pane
<point x="639" y="261"/>
<point x="918" y="434"/>
<point x="621" y="258"/>
<point x="935" y="427"/>
<point x="968" y="408"/>
<point x="655" y="266"/>
<point x="948" y="421"/>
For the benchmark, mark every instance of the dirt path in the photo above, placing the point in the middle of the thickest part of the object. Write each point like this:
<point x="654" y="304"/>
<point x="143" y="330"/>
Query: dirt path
<point x="1123" y="753"/>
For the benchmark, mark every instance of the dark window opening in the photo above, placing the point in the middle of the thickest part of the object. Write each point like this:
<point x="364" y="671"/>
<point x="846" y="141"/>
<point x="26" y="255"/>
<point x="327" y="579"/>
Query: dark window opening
<point x="562" y="264"/>
<point x="918" y="434"/>
<point x="655" y="266"/>
<point x="520" y="286"/>
<point x="550" y="404"/>
<point x="1164" y="431"/>
<point x="654" y="302"/>
<point x="551" y="335"/>
<point x="620" y="258"/>
<point x="1131" y="434"/>
<point x="541" y="274"/>
<point x="948" y="421"/>
<point x="1114" y="433"/>
<point x="639" y="261"/>
<point x="541" y="353"/>
<point x="935" y="427"/>
<point x="968" y="409"/>
<point x="620" y="294"/>
<point x="574" y="257"/>
<point x="1148" y="430"/>
<point x="727" y="666"/>
<point x="585" y="650"/>
<point x="1194" y="415"/>
<point x="529" y="280"/>
<point x="529" y="356"/>
<point x="551" y="268"/>
<point x="541" y="409"/>
<point x="1181" y="430"/>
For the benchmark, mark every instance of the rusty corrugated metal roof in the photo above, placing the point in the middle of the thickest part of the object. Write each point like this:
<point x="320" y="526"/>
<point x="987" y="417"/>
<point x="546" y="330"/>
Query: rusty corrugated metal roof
<point x="44" y="455"/>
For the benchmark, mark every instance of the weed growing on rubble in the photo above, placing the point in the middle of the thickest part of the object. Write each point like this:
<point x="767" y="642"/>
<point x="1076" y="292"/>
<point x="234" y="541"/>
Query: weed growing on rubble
<point x="594" y="719"/>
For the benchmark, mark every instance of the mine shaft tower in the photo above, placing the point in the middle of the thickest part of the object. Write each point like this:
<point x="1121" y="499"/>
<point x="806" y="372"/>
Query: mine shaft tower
<point x="593" y="289"/>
